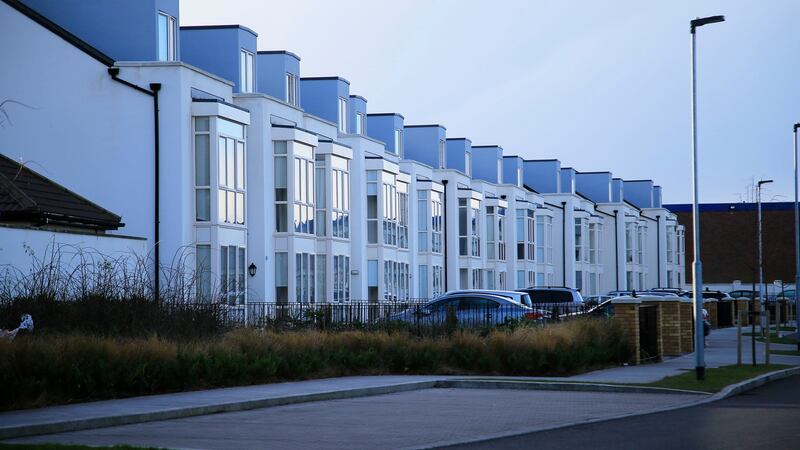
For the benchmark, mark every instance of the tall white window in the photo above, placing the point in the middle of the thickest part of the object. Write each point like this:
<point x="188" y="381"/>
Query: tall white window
<point x="202" y="169"/>
<point x="641" y="238"/>
<point x="342" y="115"/>
<point x="361" y="123"/>
<point x="202" y="262"/>
<point x="475" y="227"/>
<point x="341" y="278"/>
<point x="593" y="243"/>
<point x="491" y="229"/>
<point x="303" y="188"/>
<point x="499" y="171"/>
<point x="231" y="172"/>
<point x="531" y="234"/>
<point x="438" y="281"/>
<point x="579" y="247"/>
<point x="246" y="71"/>
<point x="423" y="241"/>
<point x="281" y="277"/>
<point x="167" y="37"/>
<point x="670" y="244"/>
<point x="422" y="277"/>
<point x="442" y="163"/>
<point x="320" y="200"/>
<point x="372" y="206"/>
<point x="304" y="272"/>
<point x="281" y="188"/>
<point x="437" y="221"/>
<point x="501" y="235"/>
<point x="398" y="143"/>
<point x="489" y="279"/>
<point x="402" y="215"/>
<point x="520" y="232"/>
<point x="292" y="89"/>
<point x="544" y="239"/>
<point x="320" y="273"/>
<point x="232" y="274"/>
<point x="630" y="241"/>
<point x="389" y="209"/>
<point x="340" y="222"/>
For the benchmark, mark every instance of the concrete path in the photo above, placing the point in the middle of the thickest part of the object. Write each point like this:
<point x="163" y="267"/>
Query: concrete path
<point x="423" y="418"/>
<point x="167" y="406"/>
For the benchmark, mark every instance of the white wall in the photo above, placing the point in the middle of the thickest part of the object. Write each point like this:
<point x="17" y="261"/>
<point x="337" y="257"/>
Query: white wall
<point x="87" y="132"/>
<point x="21" y="248"/>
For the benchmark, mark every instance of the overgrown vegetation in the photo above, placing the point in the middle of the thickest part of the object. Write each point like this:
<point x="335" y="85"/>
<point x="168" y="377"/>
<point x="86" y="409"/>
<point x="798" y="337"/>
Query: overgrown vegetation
<point x="48" y="369"/>
<point x="716" y="378"/>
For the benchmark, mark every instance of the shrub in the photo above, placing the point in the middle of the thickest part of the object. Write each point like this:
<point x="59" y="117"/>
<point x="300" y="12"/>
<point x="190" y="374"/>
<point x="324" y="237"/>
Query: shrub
<point x="48" y="369"/>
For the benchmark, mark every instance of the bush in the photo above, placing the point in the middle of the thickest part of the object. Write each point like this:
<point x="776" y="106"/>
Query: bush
<point x="49" y="369"/>
<point x="99" y="315"/>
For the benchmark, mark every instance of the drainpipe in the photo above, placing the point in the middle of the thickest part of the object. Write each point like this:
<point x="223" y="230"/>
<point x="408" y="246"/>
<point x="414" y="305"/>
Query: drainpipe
<point x="156" y="87"/>
<point x="153" y="92"/>
<point x="446" y="273"/>
<point x="616" y="248"/>
<point x="658" y="250"/>
<point x="564" y="241"/>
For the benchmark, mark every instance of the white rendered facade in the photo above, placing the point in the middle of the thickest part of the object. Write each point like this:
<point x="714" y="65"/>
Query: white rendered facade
<point x="265" y="200"/>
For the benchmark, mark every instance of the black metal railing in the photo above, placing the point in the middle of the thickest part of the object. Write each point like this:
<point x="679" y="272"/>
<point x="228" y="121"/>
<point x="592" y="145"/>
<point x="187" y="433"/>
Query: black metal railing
<point x="357" y="315"/>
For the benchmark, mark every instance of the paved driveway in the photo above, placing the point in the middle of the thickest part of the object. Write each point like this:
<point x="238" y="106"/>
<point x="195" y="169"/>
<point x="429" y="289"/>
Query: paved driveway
<point x="411" y="419"/>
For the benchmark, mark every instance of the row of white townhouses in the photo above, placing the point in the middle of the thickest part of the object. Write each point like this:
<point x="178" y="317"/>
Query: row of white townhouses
<point x="192" y="147"/>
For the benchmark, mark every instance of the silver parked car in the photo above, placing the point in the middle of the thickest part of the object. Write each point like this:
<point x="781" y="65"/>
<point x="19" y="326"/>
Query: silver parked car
<point x="519" y="297"/>
<point x="469" y="309"/>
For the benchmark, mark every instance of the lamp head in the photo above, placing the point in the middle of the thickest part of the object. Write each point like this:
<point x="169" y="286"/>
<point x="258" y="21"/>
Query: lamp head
<point x="700" y="21"/>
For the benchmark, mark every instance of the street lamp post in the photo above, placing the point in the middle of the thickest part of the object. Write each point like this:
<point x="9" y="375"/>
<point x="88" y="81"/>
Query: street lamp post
<point x="761" y="259"/>
<point x="796" y="246"/>
<point x="697" y="266"/>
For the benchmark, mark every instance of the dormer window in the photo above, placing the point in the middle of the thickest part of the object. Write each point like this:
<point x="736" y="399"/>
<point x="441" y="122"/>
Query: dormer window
<point x="441" y="154"/>
<point x="499" y="171"/>
<point x="292" y="92"/>
<point x="342" y="115"/>
<point x="167" y="37"/>
<point x="468" y="164"/>
<point x="246" y="71"/>
<point x="361" y="121"/>
<point x="398" y="143"/>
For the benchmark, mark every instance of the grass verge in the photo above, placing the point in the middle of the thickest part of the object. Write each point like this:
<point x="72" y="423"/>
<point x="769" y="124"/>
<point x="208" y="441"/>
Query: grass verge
<point x="69" y="447"/>
<point x="716" y="378"/>
<point x="774" y="339"/>
<point x="51" y="369"/>
<point x="785" y="352"/>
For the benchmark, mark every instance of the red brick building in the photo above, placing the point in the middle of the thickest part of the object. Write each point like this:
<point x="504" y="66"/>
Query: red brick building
<point x="729" y="242"/>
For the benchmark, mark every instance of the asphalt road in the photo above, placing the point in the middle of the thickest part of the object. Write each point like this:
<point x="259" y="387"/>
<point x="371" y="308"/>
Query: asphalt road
<point x="764" y="418"/>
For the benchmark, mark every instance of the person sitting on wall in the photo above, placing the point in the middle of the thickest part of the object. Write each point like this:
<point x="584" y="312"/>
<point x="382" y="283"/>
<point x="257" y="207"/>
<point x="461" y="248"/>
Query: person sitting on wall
<point x="26" y="324"/>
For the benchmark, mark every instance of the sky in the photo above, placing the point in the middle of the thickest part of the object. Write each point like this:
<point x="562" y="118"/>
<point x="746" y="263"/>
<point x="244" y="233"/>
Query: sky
<point x="602" y="86"/>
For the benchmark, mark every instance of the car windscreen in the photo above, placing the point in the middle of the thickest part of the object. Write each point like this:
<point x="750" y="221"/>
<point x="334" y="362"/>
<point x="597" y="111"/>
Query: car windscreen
<point x="550" y="296"/>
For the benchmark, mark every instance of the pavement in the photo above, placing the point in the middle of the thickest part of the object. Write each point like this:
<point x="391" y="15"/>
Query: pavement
<point x="415" y="419"/>
<point x="397" y="400"/>
<point x="763" y="418"/>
